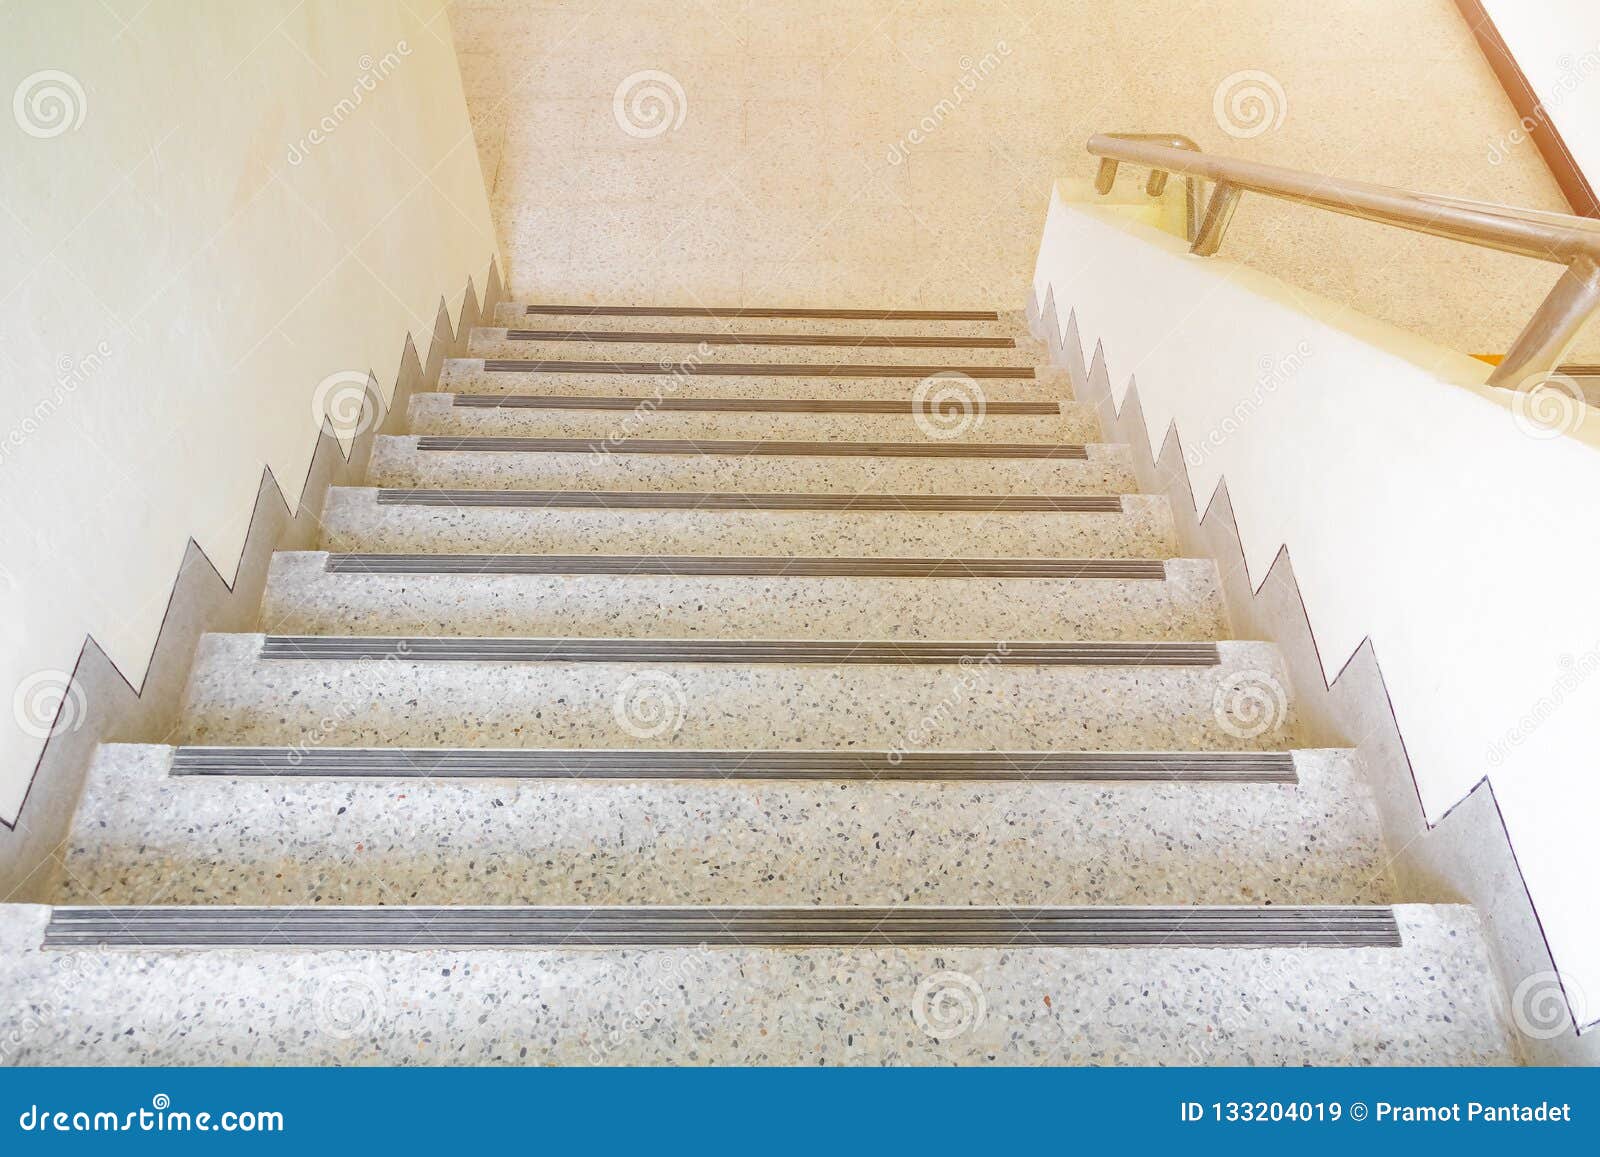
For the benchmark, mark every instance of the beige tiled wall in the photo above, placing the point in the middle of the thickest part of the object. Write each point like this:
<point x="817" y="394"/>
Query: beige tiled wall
<point x="777" y="187"/>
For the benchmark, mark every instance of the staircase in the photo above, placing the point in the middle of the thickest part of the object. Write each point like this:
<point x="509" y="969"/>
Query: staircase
<point x="705" y="686"/>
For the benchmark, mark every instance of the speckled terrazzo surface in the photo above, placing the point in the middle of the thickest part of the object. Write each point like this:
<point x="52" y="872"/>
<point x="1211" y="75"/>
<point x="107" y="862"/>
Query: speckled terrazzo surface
<point x="353" y="520"/>
<point x="396" y="461"/>
<point x="1429" y="1002"/>
<point x="467" y="376"/>
<point x="142" y="837"/>
<point x="515" y="315"/>
<point x="302" y="598"/>
<point x="493" y="343"/>
<point x="235" y="697"/>
<point x="437" y="414"/>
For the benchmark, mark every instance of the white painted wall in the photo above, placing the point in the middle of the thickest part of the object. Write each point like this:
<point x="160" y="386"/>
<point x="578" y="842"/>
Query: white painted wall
<point x="1557" y="45"/>
<point x="182" y="265"/>
<point x="1417" y="507"/>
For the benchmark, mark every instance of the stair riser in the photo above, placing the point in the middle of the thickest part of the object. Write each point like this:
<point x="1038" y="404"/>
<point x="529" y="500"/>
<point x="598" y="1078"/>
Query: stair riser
<point x="354" y="521"/>
<point x="235" y="697"/>
<point x="143" y="837"/>
<point x="760" y="1006"/>
<point x="302" y="598"/>
<point x="396" y="462"/>
<point x="435" y="414"/>
<point x="493" y="343"/>
<point x="1010" y="324"/>
<point x="468" y="376"/>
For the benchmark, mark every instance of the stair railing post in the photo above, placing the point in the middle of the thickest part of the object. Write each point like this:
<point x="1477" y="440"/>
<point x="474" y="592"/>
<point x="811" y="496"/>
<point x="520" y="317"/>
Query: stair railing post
<point x="1551" y="331"/>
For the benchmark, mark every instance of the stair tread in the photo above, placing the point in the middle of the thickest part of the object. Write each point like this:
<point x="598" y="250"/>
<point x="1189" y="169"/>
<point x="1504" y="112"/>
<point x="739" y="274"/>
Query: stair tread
<point x="857" y="1004"/>
<point x="236" y="696"/>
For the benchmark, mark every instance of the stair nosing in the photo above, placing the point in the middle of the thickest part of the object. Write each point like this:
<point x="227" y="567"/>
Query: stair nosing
<point x="359" y="563"/>
<point x="1198" y="926"/>
<point x="759" y="312"/>
<point x="908" y="407"/>
<point x="685" y="337"/>
<point x="1246" y="767"/>
<point x="752" y="369"/>
<point x="749" y="448"/>
<point x="711" y="501"/>
<point x="503" y="649"/>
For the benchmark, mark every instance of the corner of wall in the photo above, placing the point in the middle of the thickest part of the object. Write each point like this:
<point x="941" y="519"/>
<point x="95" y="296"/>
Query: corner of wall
<point x="1467" y="856"/>
<point x="204" y="600"/>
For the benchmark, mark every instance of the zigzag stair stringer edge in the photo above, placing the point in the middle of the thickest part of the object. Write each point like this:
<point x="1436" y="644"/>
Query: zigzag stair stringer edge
<point x="202" y="599"/>
<point x="1466" y="855"/>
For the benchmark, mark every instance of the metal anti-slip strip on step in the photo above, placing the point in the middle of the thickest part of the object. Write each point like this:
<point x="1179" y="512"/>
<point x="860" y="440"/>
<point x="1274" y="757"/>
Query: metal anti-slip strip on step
<point x="653" y="337"/>
<point x="867" y="766"/>
<point x="743" y="448"/>
<point x="743" y="311"/>
<point x="748" y="369"/>
<point x="423" y="928"/>
<point x="702" y="500"/>
<point x="434" y="649"/>
<point x="753" y="566"/>
<point x="736" y="405"/>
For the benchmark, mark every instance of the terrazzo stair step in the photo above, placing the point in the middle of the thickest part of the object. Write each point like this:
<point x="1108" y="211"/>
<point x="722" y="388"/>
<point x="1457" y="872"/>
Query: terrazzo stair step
<point x="413" y="697"/>
<point x="937" y="323"/>
<point x="402" y="461"/>
<point x="878" y="526"/>
<point x="708" y="348"/>
<point x="649" y="379"/>
<point x="751" y="597"/>
<point x="372" y="826"/>
<point x="604" y="420"/>
<point x="1432" y="1000"/>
